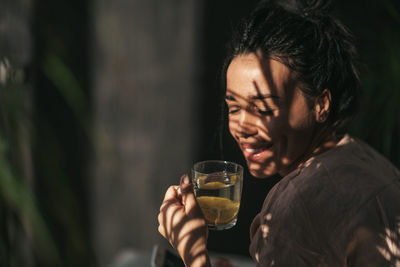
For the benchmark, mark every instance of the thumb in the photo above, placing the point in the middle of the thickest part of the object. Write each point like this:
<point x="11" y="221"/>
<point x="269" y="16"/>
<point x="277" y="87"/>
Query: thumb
<point x="188" y="198"/>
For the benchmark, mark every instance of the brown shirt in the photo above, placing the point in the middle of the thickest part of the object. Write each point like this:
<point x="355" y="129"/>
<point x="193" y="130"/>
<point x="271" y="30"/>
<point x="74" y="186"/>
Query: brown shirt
<point x="341" y="208"/>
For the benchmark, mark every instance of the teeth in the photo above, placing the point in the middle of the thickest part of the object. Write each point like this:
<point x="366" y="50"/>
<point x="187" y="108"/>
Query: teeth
<point x="252" y="150"/>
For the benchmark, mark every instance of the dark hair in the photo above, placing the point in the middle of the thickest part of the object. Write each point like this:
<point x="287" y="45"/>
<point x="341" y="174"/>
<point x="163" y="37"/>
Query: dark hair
<point x="308" y="40"/>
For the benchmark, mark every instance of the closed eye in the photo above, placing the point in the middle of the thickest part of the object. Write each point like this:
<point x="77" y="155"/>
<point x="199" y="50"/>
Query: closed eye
<point x="267" y="112"/>
<point x="233" y="109"/>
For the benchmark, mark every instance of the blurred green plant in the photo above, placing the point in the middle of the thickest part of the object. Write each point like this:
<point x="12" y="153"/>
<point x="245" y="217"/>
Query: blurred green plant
<point x="28" y="236"/>
<point x="67" y="213"/>
<point x="68" y="86"/>
<point x="21" y="219"/>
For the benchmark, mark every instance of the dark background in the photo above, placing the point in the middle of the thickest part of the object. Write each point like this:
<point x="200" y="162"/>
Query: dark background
<point x="376" y="28"/>
<point x="61" y="149"/>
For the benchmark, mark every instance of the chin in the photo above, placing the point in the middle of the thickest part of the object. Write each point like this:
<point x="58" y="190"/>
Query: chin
<point x="261" y="173"/>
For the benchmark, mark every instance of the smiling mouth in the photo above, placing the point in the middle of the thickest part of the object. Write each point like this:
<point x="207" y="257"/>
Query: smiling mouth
<point x="254" y="152"/>
<point x="256" y="147"/>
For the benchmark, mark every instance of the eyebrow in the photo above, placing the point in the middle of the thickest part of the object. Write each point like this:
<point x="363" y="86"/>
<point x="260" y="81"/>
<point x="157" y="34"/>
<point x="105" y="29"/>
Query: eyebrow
<point x="254" y="97"/>
<point x="263" y="96"/>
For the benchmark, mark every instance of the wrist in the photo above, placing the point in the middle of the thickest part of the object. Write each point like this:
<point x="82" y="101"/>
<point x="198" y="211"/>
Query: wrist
<point x="197" y="254"/>
<point x="200" y="260"/>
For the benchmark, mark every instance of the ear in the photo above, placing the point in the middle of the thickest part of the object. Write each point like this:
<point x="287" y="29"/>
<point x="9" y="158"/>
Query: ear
<point x="322" y="106"/>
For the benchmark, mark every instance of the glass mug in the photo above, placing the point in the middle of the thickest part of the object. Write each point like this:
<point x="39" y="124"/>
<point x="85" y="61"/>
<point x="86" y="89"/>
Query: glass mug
<point x="218" y="189"/>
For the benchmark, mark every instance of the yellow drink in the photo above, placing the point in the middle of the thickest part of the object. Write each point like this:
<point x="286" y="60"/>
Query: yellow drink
<point x="218" y="196"/>
<point x="218" y="210"/>
<point x="218" y="188"/>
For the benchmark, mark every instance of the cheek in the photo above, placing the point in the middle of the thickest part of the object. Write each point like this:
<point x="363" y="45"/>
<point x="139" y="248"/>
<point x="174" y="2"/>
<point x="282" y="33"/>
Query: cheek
<point x="300" y="128"/>
<point x="232" y="128"/>
<point x="288" y="138"/>
<point x="272" y="128"/>
<point x="296" y="137"/>
<point x="300" y="115"/>
<point x="300" y="121"/>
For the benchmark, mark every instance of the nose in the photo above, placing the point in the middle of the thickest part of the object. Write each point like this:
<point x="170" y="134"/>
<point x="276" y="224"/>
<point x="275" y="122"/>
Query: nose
<point x="246" y="124"/>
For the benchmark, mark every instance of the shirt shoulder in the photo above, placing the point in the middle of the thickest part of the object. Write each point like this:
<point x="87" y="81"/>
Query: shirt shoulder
<point x="351" y="169"/>
<point x="317" y="210"/>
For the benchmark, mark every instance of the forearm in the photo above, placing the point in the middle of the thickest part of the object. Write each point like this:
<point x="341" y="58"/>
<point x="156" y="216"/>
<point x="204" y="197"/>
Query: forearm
<point x="182" y="223"/>
<point x="197" y="255"/>
<point x="201" y="260"/>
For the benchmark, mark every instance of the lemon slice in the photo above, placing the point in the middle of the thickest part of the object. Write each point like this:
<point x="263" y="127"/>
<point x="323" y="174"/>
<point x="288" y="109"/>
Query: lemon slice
<point x="213" y="185"/>
<point x="233" y="179"/>
<point x="218" y="210"/>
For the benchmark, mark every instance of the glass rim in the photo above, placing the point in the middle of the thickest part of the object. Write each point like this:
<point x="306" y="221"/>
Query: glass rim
<point x="240" y="167"/>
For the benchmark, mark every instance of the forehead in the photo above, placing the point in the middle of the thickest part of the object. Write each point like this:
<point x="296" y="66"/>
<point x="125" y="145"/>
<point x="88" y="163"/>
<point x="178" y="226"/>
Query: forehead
<point x="252" y="75"/>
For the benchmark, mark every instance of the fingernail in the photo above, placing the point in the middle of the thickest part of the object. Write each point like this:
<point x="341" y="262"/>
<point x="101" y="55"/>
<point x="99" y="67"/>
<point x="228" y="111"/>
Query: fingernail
<point x="186" y="179"/>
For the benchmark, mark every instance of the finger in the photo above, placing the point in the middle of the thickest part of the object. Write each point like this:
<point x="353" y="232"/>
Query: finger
<point x="188" y="198"/>
<point x="161" y="224"/>
<point x="161" y="230"/>
<point x="178" y="193"/>
<point x="168" y="205"/>
<point x="170" y="197"/>
<point x="160" y="218"/>
<point x="169" y="219"/>
<point x="185" y="183"/>
<point x="171" y="193"/>
<point x="165" y="220"/>
<point x="222" y="262"/>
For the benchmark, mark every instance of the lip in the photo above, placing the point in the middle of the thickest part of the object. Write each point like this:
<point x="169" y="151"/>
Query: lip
<point x="256" y="151"/>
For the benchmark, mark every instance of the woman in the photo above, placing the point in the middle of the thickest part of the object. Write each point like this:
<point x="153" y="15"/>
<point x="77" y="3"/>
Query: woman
<point x="291" y="87"/>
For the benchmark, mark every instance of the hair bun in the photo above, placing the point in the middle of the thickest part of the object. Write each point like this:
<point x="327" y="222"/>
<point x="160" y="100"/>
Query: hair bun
<point x="305" y="8"/>
<point x="316" y="7"/>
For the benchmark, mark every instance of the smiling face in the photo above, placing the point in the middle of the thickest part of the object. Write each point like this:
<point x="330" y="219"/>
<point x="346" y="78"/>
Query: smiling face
<point x="268" y="115"/>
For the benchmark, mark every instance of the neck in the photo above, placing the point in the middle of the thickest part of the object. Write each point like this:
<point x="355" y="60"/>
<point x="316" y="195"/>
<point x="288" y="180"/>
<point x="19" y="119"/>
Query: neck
<point x="320" y="144"/>
<point x="328" y="144"/>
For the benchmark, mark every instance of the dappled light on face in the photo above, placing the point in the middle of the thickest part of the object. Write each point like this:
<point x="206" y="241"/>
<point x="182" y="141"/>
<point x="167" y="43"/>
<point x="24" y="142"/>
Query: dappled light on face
<point x="268" y="116"/>
<point x="250" y="132"/>
<point x="249" y="119"/>
<point x="251" y="127"/>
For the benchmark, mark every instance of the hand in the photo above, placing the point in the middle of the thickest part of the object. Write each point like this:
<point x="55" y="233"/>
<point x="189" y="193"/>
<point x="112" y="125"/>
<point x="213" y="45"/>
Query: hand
<point x="222" y="262"/>
<point x="183" y="225"/>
